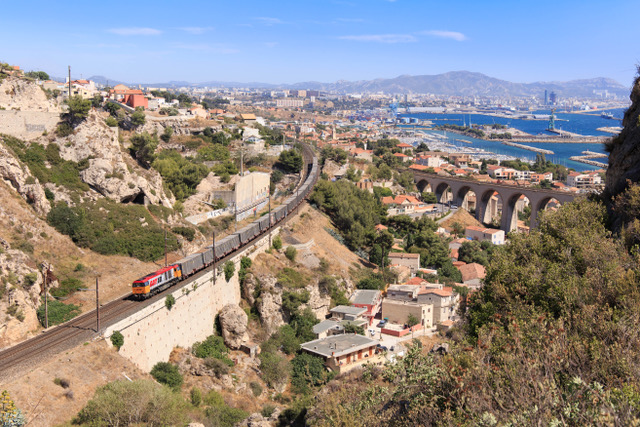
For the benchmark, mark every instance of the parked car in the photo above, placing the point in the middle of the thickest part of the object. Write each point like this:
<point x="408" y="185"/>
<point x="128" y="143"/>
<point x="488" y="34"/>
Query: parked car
<point x="382" y="323"/>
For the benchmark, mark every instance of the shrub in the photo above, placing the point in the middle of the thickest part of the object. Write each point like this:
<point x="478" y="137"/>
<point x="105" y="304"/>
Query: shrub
<point x="117" y="339"/>
<point x="256" y="388"/>
<point x="143" y="147"/>
<point x="187" y="232"/>
<point x="182" y="176"/>
<point x="218" y="367"/>
<point x="229" y="269"/>
<point x="277" y="243"/>
<point x="49" y="195"/>
<point x="274" y="368"/>
<point x="291" y="301"/>
<point x="221" y="414"/>
<point x="196" y="394"/>
<point x="168" y="374"/>
<point x="64" y="383"/>
<point x="214" y="347"/>
<point x="137" y="117"/>
<point x="166" y="134"/>
<point x="291" y="253"/>
<point x="113" y="404"/>
<point x="30" y="279"/>
<point x="308" y="371"/>
<point x="67" y="287"/>
<point x="267" y="410"/>
<point x="111" y="122"/>
<point x="290" y="278"/>
<point x="169" y="302"/>
<point x="59" y="312"/>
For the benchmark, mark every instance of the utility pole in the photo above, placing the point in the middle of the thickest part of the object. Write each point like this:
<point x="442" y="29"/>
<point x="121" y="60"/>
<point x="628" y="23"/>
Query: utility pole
<point x="46" y="306"/>
<point x="97" y="307"/>
<point x="214" y="258"/>
<point x="69" y="81"/>
<point x="165" y="245"/>
<point x="269" y="218"/>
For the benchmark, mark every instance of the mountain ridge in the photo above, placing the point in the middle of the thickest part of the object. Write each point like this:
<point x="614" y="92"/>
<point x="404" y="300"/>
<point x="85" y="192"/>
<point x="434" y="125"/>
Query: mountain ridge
<point x="452" y="83"/>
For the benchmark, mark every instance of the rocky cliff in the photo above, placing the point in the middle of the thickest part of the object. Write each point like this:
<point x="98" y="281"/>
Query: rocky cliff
<point x="624" y="153"/>
<point x="21" y="94"/>
<point x="111" y="172"/>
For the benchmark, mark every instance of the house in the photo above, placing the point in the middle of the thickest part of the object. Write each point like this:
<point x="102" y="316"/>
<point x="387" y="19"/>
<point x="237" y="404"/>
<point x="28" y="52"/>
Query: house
<point x="343" y="352"/>
<point x="401" y="301"/>
<point x="583" y="179"/>
<point x="247" y="118"/>
<point x="198" y="111"/>
<point x="472" y="274"/>
<point x="429" y="161"/>
<point x="345" y="312"/>
<point x="402" y="204"/>
<point x="444" y="301"/>
<point x="412" y="261"/>
<point x="327" y="327"/>
<point x="403" y="157"/>
<point x="490" y="234"/>
<point x="404" y="147"/>
<point x="361" y="153"/>
<point x="369" y="299"/>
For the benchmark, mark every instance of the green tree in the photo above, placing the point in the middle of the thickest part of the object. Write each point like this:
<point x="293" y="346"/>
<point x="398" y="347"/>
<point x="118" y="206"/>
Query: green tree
<point x="169" y="302"/>
<point x="138" y="117"/>
<point x="117" y="339"/>
<point x="412" y="320"/>
<point x="307" y="372"/>
<point x="166" y="134"/>
<point x="168" y="374"/>
<point x="457" y="229"/>
<point x="77" y="110"/>
<point x="229" y="269"/>
<point x="143" y="147"/>
<point x="429" y="197"/>
<point x="290" y="161"/>
<point x="38" y="75"/>
<point x="274" y="368"/>
<point x="291" y="253"/>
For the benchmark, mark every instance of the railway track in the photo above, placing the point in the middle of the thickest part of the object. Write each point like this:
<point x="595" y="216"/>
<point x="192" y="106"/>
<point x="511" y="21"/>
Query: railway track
<point x="55" y="340"/>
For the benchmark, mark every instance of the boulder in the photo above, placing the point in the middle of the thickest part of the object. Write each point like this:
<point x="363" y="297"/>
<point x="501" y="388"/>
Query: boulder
<point x="233" y="320"/>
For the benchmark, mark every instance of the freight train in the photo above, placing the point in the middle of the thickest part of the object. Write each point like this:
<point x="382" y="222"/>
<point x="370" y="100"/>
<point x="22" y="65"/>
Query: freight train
<point x="168" y="276"/>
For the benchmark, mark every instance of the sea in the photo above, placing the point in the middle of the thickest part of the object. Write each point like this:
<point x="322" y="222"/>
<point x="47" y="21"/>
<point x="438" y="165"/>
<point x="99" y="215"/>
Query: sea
<point x="582" y="124"/>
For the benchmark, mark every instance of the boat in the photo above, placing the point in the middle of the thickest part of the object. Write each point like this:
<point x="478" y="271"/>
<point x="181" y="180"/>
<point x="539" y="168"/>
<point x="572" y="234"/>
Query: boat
<point x="606" y="115"/>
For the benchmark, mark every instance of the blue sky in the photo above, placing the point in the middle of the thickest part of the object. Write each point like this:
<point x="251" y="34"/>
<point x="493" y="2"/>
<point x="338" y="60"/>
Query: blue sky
<point x="328" y="40"/>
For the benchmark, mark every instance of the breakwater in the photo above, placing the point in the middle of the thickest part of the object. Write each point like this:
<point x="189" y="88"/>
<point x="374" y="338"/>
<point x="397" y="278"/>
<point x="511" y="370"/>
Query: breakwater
<point x="587" y="158"/>
<point x="528" y="147"/>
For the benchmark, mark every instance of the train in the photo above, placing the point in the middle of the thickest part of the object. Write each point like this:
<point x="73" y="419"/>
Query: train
<point x="168" y="276"/>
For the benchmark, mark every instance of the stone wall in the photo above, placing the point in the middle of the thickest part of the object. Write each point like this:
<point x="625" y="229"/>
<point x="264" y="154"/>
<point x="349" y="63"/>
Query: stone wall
<point x="153" y="332"/>
<point x="27" y="124"/>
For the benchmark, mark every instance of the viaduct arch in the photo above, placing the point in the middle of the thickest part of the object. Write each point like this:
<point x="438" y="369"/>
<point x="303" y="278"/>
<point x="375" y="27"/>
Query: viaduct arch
<point x="460" y="187"/>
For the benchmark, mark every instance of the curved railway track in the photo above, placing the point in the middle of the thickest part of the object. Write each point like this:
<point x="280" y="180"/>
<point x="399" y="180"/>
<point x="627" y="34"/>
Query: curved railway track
<point x="81" y="329"/>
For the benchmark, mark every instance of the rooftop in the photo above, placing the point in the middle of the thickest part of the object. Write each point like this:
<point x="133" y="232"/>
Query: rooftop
<point x="345" y="309"/>
<point x="365" y="296"/>
<point x="338" y="345"/>
<point x="402" y="255"/>
<point x="325" y="325"/>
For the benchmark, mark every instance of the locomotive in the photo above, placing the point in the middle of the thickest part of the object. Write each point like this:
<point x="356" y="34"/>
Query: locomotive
<point x="168" y="276"/>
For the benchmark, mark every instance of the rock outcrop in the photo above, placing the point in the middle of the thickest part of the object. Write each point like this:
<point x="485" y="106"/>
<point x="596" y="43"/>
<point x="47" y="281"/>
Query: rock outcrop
<point x="624" y="157"/>
<point x="110" y="172"/>
<point x="233" y="320"/>
<point x="20" y="289"/>
<point x="21" y="94"/>
<point x="19" y="177"/>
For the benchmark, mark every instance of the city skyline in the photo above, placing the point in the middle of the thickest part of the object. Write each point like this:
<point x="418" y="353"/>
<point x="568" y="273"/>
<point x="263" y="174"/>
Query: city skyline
<point x="324" y="41"/>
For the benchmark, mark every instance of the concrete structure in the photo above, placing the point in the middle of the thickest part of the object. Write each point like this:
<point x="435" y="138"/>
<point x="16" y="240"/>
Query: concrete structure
<point x="408" y="260"/>
<point x="344" y="352"/>
<point x="27" y="124"/>
<point x="289" y="103"/>
<point x="444" y="301"/>
<point x="153" y="332"/>
<point x="251" y="193"/>
<point x="398" y="311"/>
<point x="368" y="299"/>
<point x="327" y="328"/>
<point x="345" y="312"/>
<point x="481" y="234"/>
<point x="460" y="188"/>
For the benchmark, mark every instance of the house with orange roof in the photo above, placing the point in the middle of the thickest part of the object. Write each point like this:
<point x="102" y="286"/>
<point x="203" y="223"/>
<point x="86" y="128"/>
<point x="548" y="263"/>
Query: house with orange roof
<point x="472" y="274"/>
<point x="403" y="157"/>
<point x="445" y="303"/>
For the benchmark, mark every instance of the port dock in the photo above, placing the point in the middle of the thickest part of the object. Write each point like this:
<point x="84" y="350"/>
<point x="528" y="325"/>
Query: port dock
<point x="587" y="158"/>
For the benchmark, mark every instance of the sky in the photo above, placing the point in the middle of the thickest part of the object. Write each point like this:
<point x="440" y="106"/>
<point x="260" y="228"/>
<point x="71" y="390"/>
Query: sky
<point x="275" y="41"/>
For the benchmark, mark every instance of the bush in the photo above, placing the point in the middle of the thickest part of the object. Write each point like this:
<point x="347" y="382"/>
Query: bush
<point x="138" y="117"/>
<point x="277" y="243"/>
<point x="64" y="129"/>
<point x="117" y="339"/>
<point x="256" y="388"/>
<point x="59" y="312"/>
<point x="187" y="232"/>
<point x="221" y="414"/>
<point x="139" y="402"/>
<point x="274" y="368"/>
<point x="291" y="253"/>
<point x="166" y="134"/>
<point x="67" y="287"/>
<point x="49" y="195"/>
<point x="229" y="269"/>
<point x="267" y="410"/>
<point x="181" y="175"/>
<point x="168" y="374"/>
<point x="111" y="122"/>
<point x="169" y="302"/>
<point x="62" y="382"/>
<point x="290" y="278"/>
<point x="308" y="371"/>
<point x="29" y="280"/>
<point x="218" y="367"/>
<point x="214" y="347"/>
<point x="196" y="396"/>
<point x="290" y="161"/>
<point x="78" y="110"/>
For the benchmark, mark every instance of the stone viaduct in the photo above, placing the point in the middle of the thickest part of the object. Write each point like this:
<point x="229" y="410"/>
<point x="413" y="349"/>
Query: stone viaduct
<point x="461" y="187"/>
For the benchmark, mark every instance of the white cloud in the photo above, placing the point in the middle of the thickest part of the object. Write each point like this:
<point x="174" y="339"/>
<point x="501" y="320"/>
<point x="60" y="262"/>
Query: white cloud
<point x="135" y="31"/>
<point x="196" y="30"/>
<point x="454" y="35"/>
<point x="382" y="38"/>
<point x="268" y="20"/>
